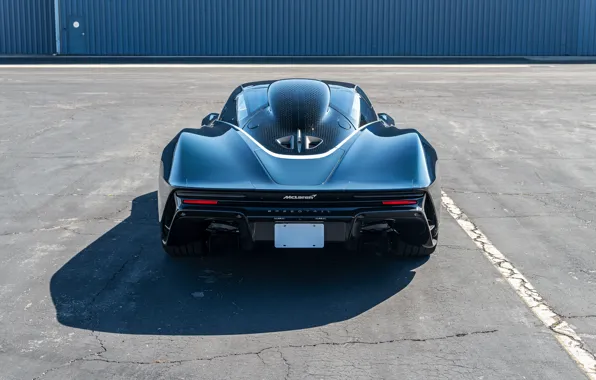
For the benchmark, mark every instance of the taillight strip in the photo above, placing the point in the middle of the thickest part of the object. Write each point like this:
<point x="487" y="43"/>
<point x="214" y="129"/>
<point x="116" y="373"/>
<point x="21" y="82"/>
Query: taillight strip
<point x="401" y="202"/>
<point x="199" y="201"/>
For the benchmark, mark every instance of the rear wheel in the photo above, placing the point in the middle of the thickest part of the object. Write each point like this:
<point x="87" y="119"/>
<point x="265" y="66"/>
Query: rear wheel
<point x="400" y="249"/>
<point x="389" y="244"/>
<point x="193" y="249"/>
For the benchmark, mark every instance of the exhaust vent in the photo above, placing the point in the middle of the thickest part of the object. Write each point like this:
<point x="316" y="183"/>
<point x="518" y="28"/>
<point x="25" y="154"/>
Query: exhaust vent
<point x="286" y="142"/>
<point x="299" y="142"/>
<point x="313" y="142"/>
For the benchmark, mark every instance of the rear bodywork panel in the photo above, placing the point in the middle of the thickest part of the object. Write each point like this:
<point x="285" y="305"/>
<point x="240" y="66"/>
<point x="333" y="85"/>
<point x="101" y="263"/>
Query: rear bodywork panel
<point x="256" y="180"/>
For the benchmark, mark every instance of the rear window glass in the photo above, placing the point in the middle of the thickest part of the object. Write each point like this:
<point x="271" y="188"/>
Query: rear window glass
<point x="251" y="100"/>
<point x="347" y="102"/>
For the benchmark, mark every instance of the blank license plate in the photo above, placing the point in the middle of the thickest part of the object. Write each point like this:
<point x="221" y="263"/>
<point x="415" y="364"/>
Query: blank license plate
<point x="299" y="235"/>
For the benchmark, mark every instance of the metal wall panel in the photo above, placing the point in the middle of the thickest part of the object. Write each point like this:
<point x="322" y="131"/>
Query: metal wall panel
<point x="586" y="40"/>
<point x="326" y="27"/>
<point x="27" y="27"/>
<point x="301" y="27"/>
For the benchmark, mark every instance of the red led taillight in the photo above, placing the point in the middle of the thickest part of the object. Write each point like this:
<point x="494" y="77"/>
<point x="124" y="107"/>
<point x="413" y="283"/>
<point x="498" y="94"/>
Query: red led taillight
<point x="199" y="201"/>
<point x="402" y="202"/>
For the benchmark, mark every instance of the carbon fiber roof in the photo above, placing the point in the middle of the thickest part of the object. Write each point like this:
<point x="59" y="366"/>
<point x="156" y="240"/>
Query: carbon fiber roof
<point x="286" y="116"/>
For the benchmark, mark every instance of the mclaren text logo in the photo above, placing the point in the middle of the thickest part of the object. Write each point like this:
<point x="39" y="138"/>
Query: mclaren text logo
<point x="307" y="197"/>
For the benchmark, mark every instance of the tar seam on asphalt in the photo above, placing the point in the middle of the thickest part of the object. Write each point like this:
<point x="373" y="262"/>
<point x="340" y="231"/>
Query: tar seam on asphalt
<point x="566" y="336"/>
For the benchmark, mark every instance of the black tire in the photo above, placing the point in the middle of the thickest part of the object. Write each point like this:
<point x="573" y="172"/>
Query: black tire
<point x="400" y="249"/>
<point x="194" y="249"/>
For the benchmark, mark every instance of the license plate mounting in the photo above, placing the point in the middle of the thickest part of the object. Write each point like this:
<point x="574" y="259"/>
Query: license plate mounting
<point x="299" y="235"/>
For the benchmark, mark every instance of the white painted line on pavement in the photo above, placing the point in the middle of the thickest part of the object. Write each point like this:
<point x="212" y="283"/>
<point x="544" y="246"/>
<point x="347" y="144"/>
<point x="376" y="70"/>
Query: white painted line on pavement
<point x="260" y="66"/>
<point x="566" y="336"/>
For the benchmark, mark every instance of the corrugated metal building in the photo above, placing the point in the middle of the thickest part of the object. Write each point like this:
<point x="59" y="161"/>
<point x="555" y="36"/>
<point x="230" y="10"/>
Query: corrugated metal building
<point x="300" y="27"/>
<point x="586" y="31"/>
<point x="27" y="27"/>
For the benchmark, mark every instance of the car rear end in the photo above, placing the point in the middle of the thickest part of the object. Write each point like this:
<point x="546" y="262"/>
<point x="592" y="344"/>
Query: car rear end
<point x="286" y="219"/>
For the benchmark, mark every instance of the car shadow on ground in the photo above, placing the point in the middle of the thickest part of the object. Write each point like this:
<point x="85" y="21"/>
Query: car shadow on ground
<point x="124" y="283"/>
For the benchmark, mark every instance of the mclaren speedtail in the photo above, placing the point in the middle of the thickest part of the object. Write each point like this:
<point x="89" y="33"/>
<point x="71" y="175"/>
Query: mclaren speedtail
<point x="299" y="163"/>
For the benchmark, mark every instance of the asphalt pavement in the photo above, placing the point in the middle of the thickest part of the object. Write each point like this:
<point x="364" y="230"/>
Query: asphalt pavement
<point x="87" y="293"/>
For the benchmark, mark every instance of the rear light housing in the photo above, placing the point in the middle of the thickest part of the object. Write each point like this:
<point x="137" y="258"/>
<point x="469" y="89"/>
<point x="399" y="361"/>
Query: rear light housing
<point x="199" y="201"/>
<point x="400" y="202"/>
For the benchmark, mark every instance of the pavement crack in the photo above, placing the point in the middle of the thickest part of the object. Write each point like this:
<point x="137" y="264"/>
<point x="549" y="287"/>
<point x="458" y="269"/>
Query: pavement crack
<point x="109" y="281"/>
<point x="555" y="322"/>
<point x="101" y="344"/>
<point x="95" y="334"/>
<point x="578" y="316"/>
<point x="30" y="231"/>
<point x="67" y="227"/>
<point x="458" y="247"/>
<point x="279" y="348"/>
<point x="587" y="222"/>
<point x="515" y="216"/>
<point x="76" y="232"/>
<point x="102" y="350"/>
<point x="562" y="328"/>
<point x="261" y="358"/>
<point x="111" y="214"/>
<point x="286" y="364"/>
<point x="457" y="191"/>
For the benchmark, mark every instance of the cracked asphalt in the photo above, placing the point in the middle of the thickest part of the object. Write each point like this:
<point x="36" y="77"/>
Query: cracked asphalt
<point x="86" y="292"/>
